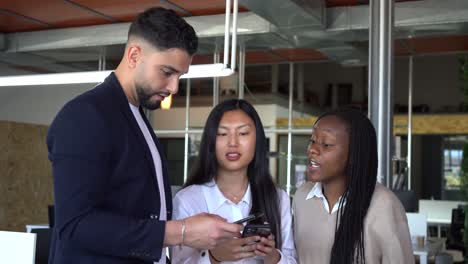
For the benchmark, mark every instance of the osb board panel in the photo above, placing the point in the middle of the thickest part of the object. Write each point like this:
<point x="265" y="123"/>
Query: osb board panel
<point x="442" y="124"/>
<point x="297" y="122"/>
<point x="432" y="124"/>
<point x="25" y="176"/>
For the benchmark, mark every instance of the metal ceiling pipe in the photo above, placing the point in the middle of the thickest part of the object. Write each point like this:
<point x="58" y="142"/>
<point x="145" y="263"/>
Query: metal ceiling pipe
<point x="290" y="110"/>
<point x="235" y="8"/>
<point x="226" y="33"/>
<point x="241" y="70"/>
<point x="216" y="59"/>
<point x="187" y="130"/>
<point x="381" y="82"/>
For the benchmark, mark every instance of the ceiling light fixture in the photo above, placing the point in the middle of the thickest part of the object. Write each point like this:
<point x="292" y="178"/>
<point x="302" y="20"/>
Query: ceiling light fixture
<point x="166" y="103"/>
<point x="195" y="71"/>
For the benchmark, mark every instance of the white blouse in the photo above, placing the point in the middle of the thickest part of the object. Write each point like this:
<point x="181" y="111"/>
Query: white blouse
<point x="207" y="198"/>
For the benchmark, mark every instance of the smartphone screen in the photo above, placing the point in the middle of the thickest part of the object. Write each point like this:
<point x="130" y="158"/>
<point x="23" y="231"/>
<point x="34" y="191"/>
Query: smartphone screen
<point x="256" y="230"/>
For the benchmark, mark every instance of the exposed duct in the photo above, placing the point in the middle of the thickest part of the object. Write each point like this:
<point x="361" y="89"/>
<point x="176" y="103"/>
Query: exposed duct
<point x="412" y="19"/>
<point x="347" y="26"/>
<point x="112" y="34"/>
<point x="290" y="13"/>
<point x="340" y="33"/>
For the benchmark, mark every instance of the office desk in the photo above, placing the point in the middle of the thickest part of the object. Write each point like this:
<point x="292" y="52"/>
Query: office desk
<point x="439" y="212"/>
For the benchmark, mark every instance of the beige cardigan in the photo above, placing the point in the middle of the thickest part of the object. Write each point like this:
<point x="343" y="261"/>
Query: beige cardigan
<point x="386" y="233"/>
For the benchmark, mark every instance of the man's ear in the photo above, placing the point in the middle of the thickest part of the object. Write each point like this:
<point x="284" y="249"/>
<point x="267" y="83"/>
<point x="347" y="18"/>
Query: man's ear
<point x="133" y="54"/>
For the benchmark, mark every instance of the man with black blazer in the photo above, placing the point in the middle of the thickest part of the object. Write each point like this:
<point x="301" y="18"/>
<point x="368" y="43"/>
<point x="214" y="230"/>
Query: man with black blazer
<point x="112" y="191"/>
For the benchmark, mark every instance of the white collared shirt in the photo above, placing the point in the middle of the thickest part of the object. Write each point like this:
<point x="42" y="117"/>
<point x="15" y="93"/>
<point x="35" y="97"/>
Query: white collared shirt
<point x="158" y="169"/>
<point x="207" y="198"/>
<point x="317" y="192"/>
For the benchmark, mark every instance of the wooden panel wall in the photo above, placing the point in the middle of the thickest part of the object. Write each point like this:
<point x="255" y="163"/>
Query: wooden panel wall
<point x="25" y="176"/>
<point x="443" y="124"/>
<point x="427" y="124"/>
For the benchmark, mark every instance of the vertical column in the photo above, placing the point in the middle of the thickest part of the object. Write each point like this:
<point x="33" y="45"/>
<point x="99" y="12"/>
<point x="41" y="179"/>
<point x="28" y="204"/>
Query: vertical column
<point x="187" y="122"/>
<point x="290" y="116"/>
<point x="241" y="70"/>
<point x="216" y="59"/>
<point x="300" y="83"/>
<point x="102" y="59"/>
<point x="381" y="25"/>
<point x="410" y="119"/>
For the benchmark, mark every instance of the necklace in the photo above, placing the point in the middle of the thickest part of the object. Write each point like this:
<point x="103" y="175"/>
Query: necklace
<point x="234" y="197"/>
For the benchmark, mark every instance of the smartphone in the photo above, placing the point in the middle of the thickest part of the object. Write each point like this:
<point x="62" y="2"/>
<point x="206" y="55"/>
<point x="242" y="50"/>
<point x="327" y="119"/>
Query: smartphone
<point x="249" y="218"/>
<point x="263" y="230"/>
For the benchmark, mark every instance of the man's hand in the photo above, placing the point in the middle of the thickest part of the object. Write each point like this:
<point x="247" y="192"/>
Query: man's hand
<point x="206" y="231"/>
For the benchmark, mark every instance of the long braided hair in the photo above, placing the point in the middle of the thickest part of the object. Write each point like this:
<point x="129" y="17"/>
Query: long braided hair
<point x="361" y="173"/>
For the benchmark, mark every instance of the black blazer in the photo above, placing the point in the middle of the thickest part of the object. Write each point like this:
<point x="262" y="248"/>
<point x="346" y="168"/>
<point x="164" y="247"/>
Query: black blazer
<point x="107" y="201"/>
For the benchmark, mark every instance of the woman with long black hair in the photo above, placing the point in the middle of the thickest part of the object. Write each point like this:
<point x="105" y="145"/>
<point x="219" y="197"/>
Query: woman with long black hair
<point x="232" y="179"/>
<point x="342" y="215"/>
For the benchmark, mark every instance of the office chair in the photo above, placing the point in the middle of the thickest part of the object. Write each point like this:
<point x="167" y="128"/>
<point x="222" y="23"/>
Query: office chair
<point x="43" y="238"/>
<point x="455" y="234"/>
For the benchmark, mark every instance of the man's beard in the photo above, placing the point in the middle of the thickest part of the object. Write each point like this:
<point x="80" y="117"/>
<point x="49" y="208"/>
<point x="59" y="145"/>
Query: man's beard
<point x="145" y="99"/>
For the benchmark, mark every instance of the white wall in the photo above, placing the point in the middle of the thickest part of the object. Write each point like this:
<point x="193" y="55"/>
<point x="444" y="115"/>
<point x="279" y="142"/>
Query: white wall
<point x="36" y="104"/>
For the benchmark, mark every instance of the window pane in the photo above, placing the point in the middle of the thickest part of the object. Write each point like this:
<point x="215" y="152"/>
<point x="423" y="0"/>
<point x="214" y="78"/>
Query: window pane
<point x="453" y="152"/>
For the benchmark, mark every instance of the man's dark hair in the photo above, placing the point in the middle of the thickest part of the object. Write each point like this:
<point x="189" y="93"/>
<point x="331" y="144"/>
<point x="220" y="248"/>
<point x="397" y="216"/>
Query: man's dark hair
<point x="164" y="29"/>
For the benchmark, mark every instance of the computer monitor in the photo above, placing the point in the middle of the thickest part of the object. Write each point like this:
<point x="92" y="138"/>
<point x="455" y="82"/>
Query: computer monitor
<point x="408" y="199"/>
<point x="43" y="236"/>
<point x="51" y="213"/>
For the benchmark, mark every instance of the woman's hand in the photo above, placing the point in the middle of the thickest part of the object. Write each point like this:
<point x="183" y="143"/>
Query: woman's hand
<point x="266" y="248"/>
<point x="235" y="249"/>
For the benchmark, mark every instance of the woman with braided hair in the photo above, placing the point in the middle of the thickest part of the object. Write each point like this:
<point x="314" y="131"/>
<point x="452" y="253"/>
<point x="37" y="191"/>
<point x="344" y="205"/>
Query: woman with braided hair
<point x="342" y="215"/>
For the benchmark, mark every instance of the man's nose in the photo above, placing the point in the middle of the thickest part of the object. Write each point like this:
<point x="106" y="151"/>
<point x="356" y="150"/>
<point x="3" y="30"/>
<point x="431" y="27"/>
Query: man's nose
<point x="173" y="85"/>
